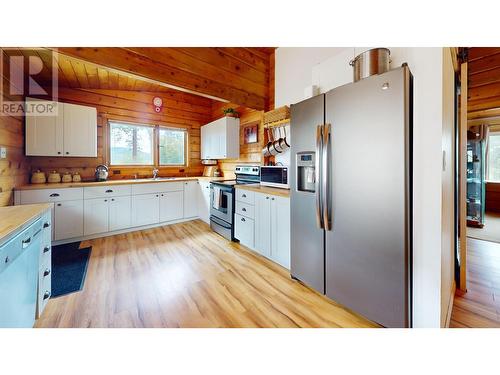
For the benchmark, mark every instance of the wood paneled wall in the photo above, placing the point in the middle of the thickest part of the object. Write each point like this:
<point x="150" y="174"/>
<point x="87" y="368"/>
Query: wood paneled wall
<point x="180" y="109"/>
<point x="249" y="153"/>
<point x="493" y="197"/>
<point x="239" y="75"/>
<point x="14" y="170"/>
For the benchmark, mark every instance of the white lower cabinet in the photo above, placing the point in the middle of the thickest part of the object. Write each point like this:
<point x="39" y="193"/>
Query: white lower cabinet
<point x="263" y="224"/>
<point x="244" y="230"/>
<point x="191" y="199"/>
<point x="94" y="210"/>
<point x="280" y="230"/>
<point x="68" y="217"/>
<point x="171" y="206"/>
<point x="204" y="201"/>
<point x="120" y="213"/>
<point x="95" y="215"/>
<point x="145" y="209"/>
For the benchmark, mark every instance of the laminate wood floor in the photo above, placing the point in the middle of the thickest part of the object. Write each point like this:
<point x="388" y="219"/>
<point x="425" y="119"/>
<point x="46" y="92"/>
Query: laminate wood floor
<point x="185" y="275"/>
<point x="480" y="306"/>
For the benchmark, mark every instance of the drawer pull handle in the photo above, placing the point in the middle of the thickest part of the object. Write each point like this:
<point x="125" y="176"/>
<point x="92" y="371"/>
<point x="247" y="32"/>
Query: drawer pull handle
<point x="7" y="259"/>
<point x="59" y="204"/>
<point x="112" y="199"/>
<point x="26" y="243"/>
<point x="46" y="224"/>
<point x="243" y="195"/>
<point x="46" y="272"/>
<point x="243" y="219"/>
<point x="54" y="195"/>
<point x="105" y="200"/>
<point x="244" y="209"/>
<point x="46" y="249"/>
<point x="267" y="197"/>
<point x="46" y="295"/>
<point x="272" y="199"/>
<point x="109" y="191"/>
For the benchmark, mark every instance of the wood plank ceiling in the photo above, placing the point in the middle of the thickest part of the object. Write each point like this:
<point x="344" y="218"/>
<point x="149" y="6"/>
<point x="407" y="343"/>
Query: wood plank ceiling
<point x="484" y="85"/>
<point x="238" y="75"/>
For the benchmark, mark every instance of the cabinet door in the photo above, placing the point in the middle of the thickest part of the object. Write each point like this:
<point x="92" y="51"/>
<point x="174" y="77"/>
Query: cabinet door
<point x="120" y="212"/>
<point x="80" y="130"/>
<point x="68" y="219"/>
<point x="145" y="209"/>
<point x="219" y="139"/>
<point x="244" y="230"/>
<point x="95" y="216"/>
<point x="171" y="206"/>
<point x="44" y="134"/>
<point x="263" y="224"/>
<point x="190" y="199"/>
<point x="280" y="230"/>
<point x="204" y="134"/>
<point x="204" y="201"/>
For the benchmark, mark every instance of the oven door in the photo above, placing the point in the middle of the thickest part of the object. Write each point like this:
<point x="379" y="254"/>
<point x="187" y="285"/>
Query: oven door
<point x="224" y="209"/>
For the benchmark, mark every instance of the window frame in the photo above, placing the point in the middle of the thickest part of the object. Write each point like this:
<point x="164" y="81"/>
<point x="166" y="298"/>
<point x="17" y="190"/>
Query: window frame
<point x="156" y="145"/>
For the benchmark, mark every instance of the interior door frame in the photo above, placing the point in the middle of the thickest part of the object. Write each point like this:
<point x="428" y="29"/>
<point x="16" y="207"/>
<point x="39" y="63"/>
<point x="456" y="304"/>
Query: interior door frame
<point x="462" y="150"/>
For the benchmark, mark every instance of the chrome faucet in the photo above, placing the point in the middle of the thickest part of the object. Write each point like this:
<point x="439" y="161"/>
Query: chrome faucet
<point x="155" y="172"/>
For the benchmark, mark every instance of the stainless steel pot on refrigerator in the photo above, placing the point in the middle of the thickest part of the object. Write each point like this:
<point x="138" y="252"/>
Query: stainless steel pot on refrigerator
<point x="351" y="195"/>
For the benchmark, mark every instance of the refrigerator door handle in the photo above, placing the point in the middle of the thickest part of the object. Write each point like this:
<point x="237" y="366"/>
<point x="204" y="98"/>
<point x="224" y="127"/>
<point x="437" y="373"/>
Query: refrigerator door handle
<point x="318" y="177"/>
<point x="326" y="154"/>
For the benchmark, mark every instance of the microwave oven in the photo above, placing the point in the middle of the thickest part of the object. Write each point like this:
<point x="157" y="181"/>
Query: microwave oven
<point x="275" y="176"/>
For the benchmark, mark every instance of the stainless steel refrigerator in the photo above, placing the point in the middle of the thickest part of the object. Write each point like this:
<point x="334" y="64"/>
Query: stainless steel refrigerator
<point x="351" y="196"/>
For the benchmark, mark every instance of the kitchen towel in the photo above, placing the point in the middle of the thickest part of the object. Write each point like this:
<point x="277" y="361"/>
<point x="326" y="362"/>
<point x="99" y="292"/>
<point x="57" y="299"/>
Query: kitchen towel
<point x="217" y="197"/>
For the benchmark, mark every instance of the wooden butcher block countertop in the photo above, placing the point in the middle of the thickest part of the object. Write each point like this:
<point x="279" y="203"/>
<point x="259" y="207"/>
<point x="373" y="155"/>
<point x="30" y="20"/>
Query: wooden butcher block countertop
<point x="61" y="185"/>
<point x="13" y="218"/>
<point x="265" y="190"/>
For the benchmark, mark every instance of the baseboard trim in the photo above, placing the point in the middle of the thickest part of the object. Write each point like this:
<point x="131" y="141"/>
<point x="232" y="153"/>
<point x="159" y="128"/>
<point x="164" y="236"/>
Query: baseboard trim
<point x="450" y="305"/>
<point x="121" y="231"/>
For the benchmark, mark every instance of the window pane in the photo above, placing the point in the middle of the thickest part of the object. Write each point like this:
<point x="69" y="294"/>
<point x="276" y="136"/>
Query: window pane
<point x="494" y="157"/>
<point x="131" y="144"/>
<point x="172" y="144"/>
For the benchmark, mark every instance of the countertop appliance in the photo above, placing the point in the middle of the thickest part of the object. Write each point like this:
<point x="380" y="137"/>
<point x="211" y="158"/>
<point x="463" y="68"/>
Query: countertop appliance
<point x="275" y="176"/>
<point x="101" y="172"/>
<point x="222" y="199"/>
<point x="19" y="278"/>
<point x="351" y="196"/>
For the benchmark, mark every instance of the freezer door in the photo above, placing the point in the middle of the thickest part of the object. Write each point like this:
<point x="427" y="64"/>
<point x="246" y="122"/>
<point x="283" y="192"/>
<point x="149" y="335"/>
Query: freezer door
<point x="307" y="238"/>
<point x="368" y="247"/>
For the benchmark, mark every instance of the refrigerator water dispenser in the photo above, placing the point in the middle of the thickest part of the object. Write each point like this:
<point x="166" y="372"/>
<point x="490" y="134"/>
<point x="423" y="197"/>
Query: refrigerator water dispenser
<point x="306" y="177"/>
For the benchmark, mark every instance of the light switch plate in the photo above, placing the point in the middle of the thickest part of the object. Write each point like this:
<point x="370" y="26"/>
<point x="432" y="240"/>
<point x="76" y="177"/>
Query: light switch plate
<point x="3" y="152"/>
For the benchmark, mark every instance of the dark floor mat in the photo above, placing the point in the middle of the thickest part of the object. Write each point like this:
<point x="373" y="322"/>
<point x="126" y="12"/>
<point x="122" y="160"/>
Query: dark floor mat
<point x="69" y="268"/>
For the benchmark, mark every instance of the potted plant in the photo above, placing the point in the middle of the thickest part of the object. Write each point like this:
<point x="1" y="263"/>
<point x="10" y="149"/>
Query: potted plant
<point x="230" y="112"/>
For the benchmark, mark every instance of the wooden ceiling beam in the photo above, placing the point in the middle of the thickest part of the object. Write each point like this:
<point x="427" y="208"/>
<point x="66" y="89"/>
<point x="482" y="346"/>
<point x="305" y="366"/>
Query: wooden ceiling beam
<point x="144" y="66"/>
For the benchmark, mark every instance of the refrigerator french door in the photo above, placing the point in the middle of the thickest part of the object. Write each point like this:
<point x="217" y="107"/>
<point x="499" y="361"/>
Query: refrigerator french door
<point x="351" y="236"/>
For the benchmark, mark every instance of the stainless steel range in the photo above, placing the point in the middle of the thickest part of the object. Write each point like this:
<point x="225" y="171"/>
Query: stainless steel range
<point x="222" y="199"/>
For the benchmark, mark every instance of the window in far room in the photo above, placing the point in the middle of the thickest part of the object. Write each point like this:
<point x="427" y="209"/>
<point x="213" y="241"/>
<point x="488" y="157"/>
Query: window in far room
<point x="493" y="173"/>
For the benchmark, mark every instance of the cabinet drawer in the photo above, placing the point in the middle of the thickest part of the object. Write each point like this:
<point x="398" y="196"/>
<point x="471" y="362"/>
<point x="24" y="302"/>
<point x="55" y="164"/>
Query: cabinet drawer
<point x="50" y="195"/>
<point x="156" y="187"/>
<point x="244" y="230"/>
<point x="106" y="191"/>
<point x="245" y="209"/>
<point x="245" y="196"/>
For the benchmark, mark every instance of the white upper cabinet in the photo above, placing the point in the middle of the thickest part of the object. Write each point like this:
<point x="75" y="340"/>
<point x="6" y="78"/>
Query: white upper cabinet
<point x="80" y="130"/>
<point x="73" y="132"/>
<point x="44" y="134"/>
<point x="220" y="139"/>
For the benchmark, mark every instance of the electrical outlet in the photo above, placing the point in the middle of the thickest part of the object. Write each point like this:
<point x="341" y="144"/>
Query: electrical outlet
<point x="3" y="152"/>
